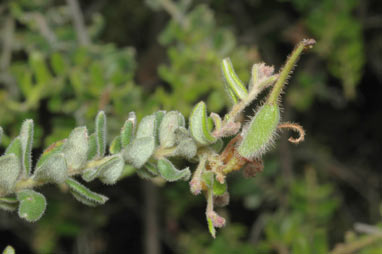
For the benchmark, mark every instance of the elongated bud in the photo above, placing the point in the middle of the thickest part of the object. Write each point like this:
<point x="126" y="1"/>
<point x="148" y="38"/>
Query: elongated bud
<point x="259" y="134"/>
<point x="235" y="87"/>
<point x="288" y="67"/>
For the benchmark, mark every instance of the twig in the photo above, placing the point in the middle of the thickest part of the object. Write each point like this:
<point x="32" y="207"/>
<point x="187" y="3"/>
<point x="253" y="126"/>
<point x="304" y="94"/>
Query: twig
<point x="78" y="21"/>
<point x="357" y="245"/>
<point x="367" y="229"/>
<point x="7" y="44"/>
<point x="151" y="228"/>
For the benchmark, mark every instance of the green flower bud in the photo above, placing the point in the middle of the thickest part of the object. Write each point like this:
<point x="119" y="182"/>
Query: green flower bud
<point x="260" y="132"/>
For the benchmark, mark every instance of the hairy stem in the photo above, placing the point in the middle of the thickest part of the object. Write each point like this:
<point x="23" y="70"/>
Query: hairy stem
<point x="288" y="67"/>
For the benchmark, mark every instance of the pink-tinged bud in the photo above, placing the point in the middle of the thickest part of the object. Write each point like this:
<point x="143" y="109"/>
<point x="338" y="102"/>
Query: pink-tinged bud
<point x="217" y="220"/>
<point x="195" y="186"/>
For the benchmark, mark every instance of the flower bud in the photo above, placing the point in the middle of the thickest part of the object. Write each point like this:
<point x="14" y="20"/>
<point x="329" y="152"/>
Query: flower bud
<point x="259" y="133"/>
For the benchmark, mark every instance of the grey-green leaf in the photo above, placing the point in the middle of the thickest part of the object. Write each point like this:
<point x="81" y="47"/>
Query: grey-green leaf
<point x="10" y="168"/>
<point x="169" y="172"/>
<point x="51" y="150"/>
<point x="147" y="127"/>
<point x="32" y="205"/>
<point x="54" y="169"/>
<point x="100" y="130"/>
<point x="15" y="147"/>
<point x="186" y="148"/>
<point x="76" y="148"/>
<point x="140" y="151"/>
<point x="127" y="133"/>
<point x="92" y="150"/>
<point x="116" y="145"/>
<point x="26" y="138"/>
<point x="171" y="121"/>
<point x="112" y="170"/>
<point x="159" y="115"/>
<point x="9" y="203"/>
<point x="199" y="125"/>
<point x="235" y="87"/>
<point x="84" y="195"/>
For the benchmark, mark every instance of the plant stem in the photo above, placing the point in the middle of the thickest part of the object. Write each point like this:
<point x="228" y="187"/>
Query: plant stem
<point x="30" y="183"/>
<point x="288" y="67"/>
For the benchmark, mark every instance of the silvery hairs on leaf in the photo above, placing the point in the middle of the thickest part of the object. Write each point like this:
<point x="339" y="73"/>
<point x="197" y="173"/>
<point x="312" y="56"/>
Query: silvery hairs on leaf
<point x="32" y="205"/>
<point x="75" y="148"/>
<point x="26" y="138"/>
<point x="139" y="151"/>
<point x="199" y="125"/>
<point x="10" y="169"/>
<point x="100" y="131"/>
<point x="170" y="123"/>
<point x="84" y="195"/>
<point x="169" y="172"/>
<point x="53" y="169"/>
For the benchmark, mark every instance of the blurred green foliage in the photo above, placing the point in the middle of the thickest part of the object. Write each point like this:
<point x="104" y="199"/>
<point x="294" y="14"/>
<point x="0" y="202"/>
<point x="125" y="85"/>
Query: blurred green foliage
<point x="195" y="47"/>
<point x="335" y="25"/>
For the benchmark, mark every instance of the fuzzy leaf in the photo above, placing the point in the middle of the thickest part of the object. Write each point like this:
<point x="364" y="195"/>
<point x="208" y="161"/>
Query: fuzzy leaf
<point x="76" y="148"/>
<point x="112" y="170"/>
<point x="259" y="134"/>
<point x="9" y="204"/>
<point x="54" y="169"/>
<point x="140" y="151"/>
<point x="186" y="148"/>
<point x="84" y="195"/>
<point x="116" y="145"/>
<point x="171" y="121"/>
<point x="10" y="168"/>
<point x="147" y="127"/>
<point x="15" y="147"/>
<point x="51" y="150"/>
<point x="32" y="205"/>
<point x="159" y="115"/>
<point x="169" y="172"/>
<point x="127" y="133"/>
<point x="100" y="131"/>
<point x="9" y="250"/>
<point x="235" y="87"/>
<point x="152" y="168"/>
<point x="181" y="133"/>
<point x="92" y="150"/>
<point x="26" y="138"/>
<point x="218" y="145"/>
<point x="199" y="125"/>
<point x="90" y="174"/>
<point x="216" y="120"/>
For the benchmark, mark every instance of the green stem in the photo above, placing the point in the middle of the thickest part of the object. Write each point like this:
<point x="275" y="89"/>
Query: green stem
<point x="30" y="183"/>
<point x="288" y="67"/>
